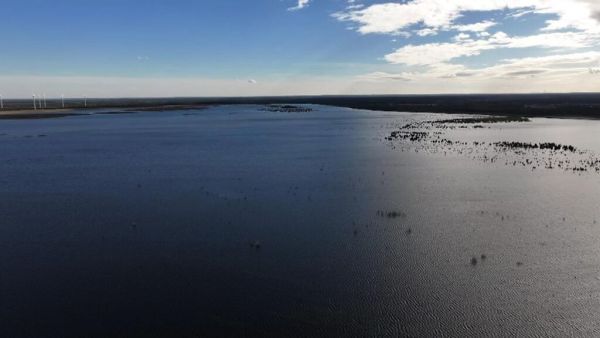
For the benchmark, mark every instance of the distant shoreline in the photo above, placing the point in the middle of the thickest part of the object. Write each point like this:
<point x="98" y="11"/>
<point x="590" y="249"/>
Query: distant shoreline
<point x="24" y="114"/>
<point x="571" y="106"/>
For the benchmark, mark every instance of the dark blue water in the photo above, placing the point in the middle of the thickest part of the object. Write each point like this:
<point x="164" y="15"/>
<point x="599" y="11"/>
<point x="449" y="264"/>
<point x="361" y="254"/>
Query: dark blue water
<point x="233" y="221"/>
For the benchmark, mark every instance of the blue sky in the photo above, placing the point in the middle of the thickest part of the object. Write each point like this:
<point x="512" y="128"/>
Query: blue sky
<point x="276" y="47"/>
<point x="184" y="38"/>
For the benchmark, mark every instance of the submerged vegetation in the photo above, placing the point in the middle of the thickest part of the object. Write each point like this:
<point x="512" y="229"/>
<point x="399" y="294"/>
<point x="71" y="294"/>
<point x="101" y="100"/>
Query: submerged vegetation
<point x="391" y="214"/>
<point x="435" y="136"/>
<point x="484" y="119"/>
<point x="286" y="108"/>
<point x="548" y="145"/>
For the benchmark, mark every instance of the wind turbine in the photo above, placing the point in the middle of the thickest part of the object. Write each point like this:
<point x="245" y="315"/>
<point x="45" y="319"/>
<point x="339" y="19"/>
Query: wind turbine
<point x="85" y="101"/>
<point x="34" y="107"/>
<point x="45" y="101"/>
<point x="62" y="97"/>
<point x="1" y="102"/>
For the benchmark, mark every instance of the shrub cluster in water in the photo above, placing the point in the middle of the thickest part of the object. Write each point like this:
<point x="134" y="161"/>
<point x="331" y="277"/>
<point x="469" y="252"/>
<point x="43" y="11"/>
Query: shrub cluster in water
<point x="547" y="145"/>
<point x="287" y="109"/>
<point x="427" y="136"/>
<point x="390" y="214"/>
<point x="486" y="119"/>
<point x="412" y="136"/>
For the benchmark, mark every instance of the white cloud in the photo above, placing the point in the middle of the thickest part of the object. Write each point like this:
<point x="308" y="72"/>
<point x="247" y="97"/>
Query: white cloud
<point x="386" y="76"/>
<point x="557" y="73"/>
<point x="427" y="32"/>
<point x="462" y="37"/>
<point x="571" y="32"/>
<point x="554" y="66"/>
<point x="576" y="25"/>
<point x="389" y="18"/>
<point x="301" y="4"/>
<point x="563" y="60"/>
<point x="476" y="27"/>
<point x="566" y="73"/>
<point x="355" y="6"/>
<point x="464" y="46"/>
<point x="21" y="86"/>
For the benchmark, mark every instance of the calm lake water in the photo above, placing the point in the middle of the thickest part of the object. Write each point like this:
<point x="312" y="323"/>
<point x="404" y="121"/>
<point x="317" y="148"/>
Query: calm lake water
<point x="235" y="221"/>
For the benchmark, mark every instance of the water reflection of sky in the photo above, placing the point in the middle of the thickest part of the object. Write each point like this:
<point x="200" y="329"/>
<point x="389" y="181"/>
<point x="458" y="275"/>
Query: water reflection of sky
<point x="110" y="222"/>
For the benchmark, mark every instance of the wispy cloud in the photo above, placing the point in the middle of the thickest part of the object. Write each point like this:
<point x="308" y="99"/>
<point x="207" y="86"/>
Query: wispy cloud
<point x="554" y="66"/>
<point x="386" y="76"/>
<point x="476" y="27"/>
<point x="301" y="4"/>
<point x="464" y="46"/>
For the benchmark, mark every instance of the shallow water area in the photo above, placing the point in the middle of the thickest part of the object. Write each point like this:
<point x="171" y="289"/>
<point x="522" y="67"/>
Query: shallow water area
<point x="236" y="220"/>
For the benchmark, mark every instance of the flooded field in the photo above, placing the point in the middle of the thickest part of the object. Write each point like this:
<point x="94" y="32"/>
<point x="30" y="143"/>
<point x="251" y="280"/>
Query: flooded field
<point x="311" y="221"/>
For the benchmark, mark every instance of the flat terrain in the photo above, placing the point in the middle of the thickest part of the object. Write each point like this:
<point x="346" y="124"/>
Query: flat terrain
<point x="528" y="105"/>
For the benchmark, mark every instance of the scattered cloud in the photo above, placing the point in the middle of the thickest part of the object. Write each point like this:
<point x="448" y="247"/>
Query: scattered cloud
<point x="451" y="46"/>
<point x="562" y="43"/>
<point x="301" y="4"/>
<point x="531" y="72"/>
<point x="386" y="76"/>
<point x="427" y="32"/>
<point x="391" y="17"/>
<point x="475" y="27"/>
<point x="464" y="46"/>
<point x="564" y="65"/>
